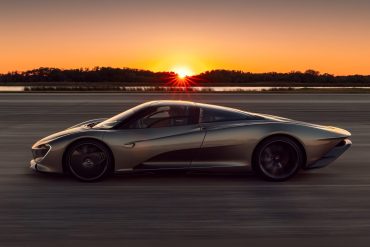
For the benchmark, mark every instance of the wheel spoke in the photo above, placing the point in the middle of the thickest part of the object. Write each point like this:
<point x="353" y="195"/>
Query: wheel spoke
<point x="275" y="170"/>
<point x="98" y="157"/>
<point x="269" y="165"/>
<point x="85" y="149"/>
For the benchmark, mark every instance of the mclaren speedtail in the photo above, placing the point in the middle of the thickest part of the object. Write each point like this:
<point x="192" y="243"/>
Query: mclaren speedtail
<point x="187" y="135"/>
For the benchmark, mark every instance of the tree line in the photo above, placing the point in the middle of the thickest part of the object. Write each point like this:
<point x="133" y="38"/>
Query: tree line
<point x="309" y="77"/>
<point x="97" y="74"/>
<point x="136" y="76"/>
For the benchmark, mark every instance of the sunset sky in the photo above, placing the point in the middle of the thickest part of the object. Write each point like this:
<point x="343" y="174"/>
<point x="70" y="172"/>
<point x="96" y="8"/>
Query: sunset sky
<point x="258" y="36"/>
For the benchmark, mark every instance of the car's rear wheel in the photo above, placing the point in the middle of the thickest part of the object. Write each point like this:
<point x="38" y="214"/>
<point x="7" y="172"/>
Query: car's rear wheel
<point x="277" y="158"/>
<point x="89" y="160"/>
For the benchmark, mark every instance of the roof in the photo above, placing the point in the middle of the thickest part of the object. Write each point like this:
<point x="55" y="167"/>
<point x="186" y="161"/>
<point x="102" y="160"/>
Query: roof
<point x="184" y="103"/>
<point x="171" y="102"/>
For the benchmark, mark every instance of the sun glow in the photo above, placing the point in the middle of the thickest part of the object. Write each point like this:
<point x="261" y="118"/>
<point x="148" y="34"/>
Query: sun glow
<point x="182" y="78"/>
<point x="183" y="72"/>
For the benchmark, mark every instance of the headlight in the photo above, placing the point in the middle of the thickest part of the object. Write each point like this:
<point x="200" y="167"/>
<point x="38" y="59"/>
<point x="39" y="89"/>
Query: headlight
<point x="40" y="151"/>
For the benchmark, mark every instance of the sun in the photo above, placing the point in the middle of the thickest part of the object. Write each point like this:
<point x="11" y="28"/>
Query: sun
<point x="183" y="72"/>
<point x="182" y="77"/>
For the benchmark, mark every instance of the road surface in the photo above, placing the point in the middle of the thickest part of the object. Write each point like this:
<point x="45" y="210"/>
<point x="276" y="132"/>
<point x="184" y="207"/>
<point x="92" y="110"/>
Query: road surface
<point x="327" y="207"/>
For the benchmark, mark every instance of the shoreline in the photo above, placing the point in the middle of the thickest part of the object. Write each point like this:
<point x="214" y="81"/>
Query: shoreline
<point x="275" y="91"/>
<point x="189" y="90"/>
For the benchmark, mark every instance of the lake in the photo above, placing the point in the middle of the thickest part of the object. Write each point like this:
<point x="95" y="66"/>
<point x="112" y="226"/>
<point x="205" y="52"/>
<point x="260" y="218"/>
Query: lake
<point x="156" y="88"/>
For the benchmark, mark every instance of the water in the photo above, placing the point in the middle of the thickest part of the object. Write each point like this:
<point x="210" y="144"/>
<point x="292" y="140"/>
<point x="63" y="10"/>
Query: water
<point x="153" y="88"/>
<point x="12" y="88"/>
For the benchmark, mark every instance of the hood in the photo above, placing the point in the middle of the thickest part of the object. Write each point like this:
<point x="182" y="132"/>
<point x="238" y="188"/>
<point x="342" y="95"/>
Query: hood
<point x="90" y="123"/>
<point x="58" y="135"/>
<point x="71" y="130"/>
<point x="84" y="126"/>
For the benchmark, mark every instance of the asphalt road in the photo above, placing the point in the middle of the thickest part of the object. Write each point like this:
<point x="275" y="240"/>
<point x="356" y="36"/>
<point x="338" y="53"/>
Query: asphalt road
<point x="327" y="207"/>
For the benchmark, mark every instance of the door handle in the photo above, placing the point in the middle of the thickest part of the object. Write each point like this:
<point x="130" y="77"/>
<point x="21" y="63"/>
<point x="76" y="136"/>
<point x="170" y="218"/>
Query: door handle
<point x="129" y="145"/>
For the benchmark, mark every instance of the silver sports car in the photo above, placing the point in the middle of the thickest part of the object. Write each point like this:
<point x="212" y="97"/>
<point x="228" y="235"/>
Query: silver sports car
<point x="187" y="135"/>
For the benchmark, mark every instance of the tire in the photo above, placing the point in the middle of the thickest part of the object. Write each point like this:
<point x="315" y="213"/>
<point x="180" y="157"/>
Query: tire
<point x="89" y="160"/>
<point x="277" y="158"/>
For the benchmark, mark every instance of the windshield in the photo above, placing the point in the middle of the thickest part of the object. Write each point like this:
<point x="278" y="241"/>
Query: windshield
<point x="113" y="121"/>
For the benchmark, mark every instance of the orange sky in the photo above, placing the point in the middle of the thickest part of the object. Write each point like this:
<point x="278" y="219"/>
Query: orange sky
<point x="256" y="36"/>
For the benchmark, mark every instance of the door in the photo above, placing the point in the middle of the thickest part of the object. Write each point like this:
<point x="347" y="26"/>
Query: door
<point x="226" y="141"/>
<point x="163" y="136"/>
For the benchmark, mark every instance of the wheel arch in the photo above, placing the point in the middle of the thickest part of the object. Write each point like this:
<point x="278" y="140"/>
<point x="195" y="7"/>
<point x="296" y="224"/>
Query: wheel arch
<point x="293" y="138"/>
<point x="65" y="168"/>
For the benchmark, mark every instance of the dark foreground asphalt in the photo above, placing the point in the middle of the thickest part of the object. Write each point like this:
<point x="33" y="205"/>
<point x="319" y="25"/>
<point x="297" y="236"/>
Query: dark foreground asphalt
<point x="327" y="207"/>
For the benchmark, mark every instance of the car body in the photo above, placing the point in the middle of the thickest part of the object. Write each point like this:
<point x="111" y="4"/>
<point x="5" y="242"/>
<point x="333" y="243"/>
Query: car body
<point x="188" y="135"/>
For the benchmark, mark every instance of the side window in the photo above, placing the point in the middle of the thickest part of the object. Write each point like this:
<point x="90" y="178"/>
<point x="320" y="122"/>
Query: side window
<point x="209" y="115"/>
<point x="165" y="116"/>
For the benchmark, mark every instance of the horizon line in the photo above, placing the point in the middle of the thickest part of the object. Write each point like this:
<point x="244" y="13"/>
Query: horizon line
<point x="169" y="71"/>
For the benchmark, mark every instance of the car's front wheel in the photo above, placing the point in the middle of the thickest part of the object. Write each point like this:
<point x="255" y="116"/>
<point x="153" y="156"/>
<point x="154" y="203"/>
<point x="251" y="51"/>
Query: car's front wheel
<point x="277" y="158"/>
<point x="88" y="160"/>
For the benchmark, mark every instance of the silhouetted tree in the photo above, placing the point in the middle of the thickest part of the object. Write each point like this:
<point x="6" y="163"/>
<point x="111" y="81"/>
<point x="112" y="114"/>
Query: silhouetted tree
<point x="126" y="76"/>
